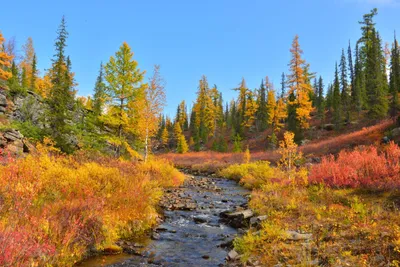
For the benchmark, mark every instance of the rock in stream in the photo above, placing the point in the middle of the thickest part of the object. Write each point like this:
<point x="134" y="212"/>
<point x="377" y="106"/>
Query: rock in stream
<point x="192" y="232"/>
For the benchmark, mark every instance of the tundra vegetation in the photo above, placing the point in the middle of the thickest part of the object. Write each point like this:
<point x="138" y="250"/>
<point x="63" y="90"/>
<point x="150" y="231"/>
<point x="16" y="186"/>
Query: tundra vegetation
<point x="321" y="159"/>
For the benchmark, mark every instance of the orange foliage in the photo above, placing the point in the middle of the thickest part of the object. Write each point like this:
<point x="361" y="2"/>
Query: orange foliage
<point x="363" y="167"/>
<point x="54" y="207"/>
<point x="5" y="61"/>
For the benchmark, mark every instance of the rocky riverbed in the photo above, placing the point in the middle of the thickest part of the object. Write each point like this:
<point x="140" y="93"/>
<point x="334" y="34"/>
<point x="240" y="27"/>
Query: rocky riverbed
<point x="197" y="229"/>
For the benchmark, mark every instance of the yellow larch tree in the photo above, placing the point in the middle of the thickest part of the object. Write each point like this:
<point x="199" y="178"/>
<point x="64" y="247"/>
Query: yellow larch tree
<point x="5" y="62"/>
<point x="299" y="88"/>
<point x="27" y="57"/>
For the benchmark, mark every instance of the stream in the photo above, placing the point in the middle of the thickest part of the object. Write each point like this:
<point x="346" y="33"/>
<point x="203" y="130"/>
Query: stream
<point x="191" y="233"/>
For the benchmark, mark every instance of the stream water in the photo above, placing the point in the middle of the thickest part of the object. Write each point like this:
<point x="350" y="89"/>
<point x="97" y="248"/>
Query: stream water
<point x="193" y="237"/>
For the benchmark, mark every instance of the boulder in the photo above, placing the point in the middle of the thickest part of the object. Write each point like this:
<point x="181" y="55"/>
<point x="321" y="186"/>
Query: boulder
<point x="256" y="221"/>
<point x="233" y="255"/>
<point x="295" y="236"/>
<point x="237" y="219"/>
<point x="12" y="135"/>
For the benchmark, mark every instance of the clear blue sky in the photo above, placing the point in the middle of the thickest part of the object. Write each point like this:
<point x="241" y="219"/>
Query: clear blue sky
<point x="223" y="39"/>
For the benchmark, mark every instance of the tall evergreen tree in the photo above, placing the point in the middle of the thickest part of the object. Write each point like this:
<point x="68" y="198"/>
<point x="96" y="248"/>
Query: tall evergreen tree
<point x="372" y="56"/>
<point x="344" y="88"/>
<point x="336" y="100"/>
<point x="358" y="91"/>
<point x="395" y="78"/>
<point x="262" y="114"/>
<point x="34" y="74"/>
<point x="61" y="94"/>
<point x="283" y="85"/>
<point x="320" y="98"/>
<point x="350" y="69"/>
<point x="99" y="97"/>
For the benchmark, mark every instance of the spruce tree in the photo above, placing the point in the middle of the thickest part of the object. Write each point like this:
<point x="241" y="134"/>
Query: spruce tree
<point x="395" y="78"/>
<point x="358" y="91"/>
<point x="372" y="56"/>
<point x="13" y="82"/>
<point x="99" y="97"/>
<point x="262" y="113"/>
<point x="350" y="69"/>
<point x="320" y="98"/>
<point x="34" y="74"/>
<point x="336" y="100"/>
<point x="61" y="94"/>
<point x="329" y="98"/>
<point x="283" y="85"/>
<point x="344" y="88"/>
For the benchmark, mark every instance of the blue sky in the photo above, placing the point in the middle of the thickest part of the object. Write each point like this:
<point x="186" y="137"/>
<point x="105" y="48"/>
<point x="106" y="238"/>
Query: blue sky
<point x="222" y="39"/>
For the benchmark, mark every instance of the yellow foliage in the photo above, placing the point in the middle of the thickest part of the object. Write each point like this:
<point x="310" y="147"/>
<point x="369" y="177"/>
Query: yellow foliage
<point x="288" y="151"/>
<point x="5" y="61"/>
<point x="67" y="204"/>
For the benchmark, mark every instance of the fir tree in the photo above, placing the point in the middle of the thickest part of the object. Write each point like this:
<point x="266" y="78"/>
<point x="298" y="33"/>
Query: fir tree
<point x="61" y="92"/>
<point x="283" y="85"/>
<point x="34" y="74"/>
<point x="13" y="81"/>
<point x="395" y="78"/>
<point x="344" y="88"/>
<point x="320" y="98"/>
<point x="372" y="56"/>
<point x="99" y="97"/>
<point x="358" y="91"/>
<point x="336" y="100"/>
<point x="262" y="113"/>
<point x="350" y="69"/>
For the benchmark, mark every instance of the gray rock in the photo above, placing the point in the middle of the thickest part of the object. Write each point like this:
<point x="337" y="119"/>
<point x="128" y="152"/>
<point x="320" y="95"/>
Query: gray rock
<point x="295" y="236"/>
<point x="395" y="132"/>
<point x="12" y="135"/>
<point x="256" y="221"/>
<point x="3" y="100"/>
<point x="233" y="255"/>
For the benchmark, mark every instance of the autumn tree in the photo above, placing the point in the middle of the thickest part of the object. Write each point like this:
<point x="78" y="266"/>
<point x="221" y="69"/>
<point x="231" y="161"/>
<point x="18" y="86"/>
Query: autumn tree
<point x="124" y="84"/>
<point x="5" y="62"/>
<point x="299" y="102"/>
<point x="27" y="57"/>
<point x="149" y="106"/>
<point x="289" y="153"/>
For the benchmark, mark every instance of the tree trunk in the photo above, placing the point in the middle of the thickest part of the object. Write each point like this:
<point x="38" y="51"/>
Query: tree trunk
<point x="146" y="153"/>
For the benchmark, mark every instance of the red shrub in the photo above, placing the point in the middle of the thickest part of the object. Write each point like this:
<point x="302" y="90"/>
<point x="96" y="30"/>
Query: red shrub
<point x="364" y="167"/>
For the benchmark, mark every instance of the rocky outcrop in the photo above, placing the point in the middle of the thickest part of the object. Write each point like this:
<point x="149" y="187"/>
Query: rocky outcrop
<point x="28" y="108"/>
<point x="3" y="102"/>
<point x="13" y="140"/>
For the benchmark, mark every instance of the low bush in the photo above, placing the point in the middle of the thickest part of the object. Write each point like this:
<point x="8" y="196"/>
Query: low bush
<point x="54" y="208"/>
<point x="365" y="167"/>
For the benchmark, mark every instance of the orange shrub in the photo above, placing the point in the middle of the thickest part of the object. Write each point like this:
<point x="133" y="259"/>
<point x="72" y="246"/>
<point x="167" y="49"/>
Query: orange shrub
<point x="53" y="208"/>
<point x="364" y="167"/>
